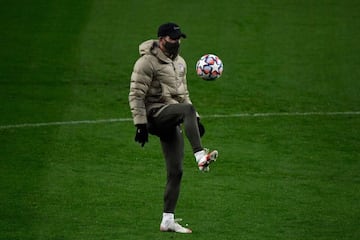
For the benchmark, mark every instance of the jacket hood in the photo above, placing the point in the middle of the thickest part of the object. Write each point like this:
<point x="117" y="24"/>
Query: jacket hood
<point x="151" y="47"/>
<point x="148" y="46"/>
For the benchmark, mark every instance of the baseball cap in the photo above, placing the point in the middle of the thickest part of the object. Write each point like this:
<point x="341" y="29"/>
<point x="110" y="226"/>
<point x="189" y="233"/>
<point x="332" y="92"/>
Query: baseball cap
<point x="170" y="29"/>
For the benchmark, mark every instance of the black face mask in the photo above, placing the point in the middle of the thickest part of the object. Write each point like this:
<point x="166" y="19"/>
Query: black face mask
<point x="172" y="48"/>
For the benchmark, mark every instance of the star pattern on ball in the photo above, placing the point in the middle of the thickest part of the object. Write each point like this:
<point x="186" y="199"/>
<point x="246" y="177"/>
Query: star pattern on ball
<point x="216" y="66"/>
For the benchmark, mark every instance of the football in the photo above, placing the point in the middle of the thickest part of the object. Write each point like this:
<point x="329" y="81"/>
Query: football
<point x="209" y="67"/>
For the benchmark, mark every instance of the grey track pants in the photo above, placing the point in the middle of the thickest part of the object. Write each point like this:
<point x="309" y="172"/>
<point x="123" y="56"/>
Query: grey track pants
<point x="166" y="125"/>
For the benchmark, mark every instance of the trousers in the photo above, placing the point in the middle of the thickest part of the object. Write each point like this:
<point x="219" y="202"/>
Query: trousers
<point x="166" y="124"/>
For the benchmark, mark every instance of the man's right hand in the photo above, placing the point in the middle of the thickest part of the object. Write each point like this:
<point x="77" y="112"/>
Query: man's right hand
<point x="142" y="134"/>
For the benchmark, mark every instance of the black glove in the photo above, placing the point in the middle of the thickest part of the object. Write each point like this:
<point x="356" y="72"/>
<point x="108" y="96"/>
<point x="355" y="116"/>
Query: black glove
<point x="201" y="128"/>
<point x="142" y="134"/>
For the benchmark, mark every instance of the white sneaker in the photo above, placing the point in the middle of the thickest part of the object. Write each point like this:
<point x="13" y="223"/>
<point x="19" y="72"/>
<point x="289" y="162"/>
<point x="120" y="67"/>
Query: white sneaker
<point x="174" y="226"/>
<point x="207" y="159"/>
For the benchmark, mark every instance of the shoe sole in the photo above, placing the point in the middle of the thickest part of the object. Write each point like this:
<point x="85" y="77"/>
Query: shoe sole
<point x="162" y="229"/>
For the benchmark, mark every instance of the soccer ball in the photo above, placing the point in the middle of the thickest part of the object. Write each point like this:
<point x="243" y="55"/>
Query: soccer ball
<point x="209" y="67"/>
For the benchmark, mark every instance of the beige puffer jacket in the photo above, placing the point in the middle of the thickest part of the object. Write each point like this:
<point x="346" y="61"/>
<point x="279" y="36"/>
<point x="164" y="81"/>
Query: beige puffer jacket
<point x="156" y="81"/>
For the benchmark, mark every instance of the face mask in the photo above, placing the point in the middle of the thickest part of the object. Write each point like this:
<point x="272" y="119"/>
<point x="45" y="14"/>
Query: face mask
<point x="172" y="48"/>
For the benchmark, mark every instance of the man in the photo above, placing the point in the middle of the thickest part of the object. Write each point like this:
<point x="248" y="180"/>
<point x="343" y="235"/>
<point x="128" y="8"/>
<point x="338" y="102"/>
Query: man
<point x="160" y="103"/>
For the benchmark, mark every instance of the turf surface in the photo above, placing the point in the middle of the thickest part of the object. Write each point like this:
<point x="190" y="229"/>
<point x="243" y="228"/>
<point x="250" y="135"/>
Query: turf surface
<point x="278" y="176"/>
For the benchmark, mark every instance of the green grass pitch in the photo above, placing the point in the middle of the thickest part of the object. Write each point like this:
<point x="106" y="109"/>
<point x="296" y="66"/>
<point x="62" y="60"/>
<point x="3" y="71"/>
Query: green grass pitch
<point x="280" y="175"/>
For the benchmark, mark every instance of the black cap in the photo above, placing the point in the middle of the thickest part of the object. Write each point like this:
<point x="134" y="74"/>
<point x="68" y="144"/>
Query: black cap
<point x="170" y="29"/>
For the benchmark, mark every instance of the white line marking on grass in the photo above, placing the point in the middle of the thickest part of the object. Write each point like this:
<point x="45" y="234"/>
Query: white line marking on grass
<point x="275" y="114"/>
<point x="24" y="125"/>
<point x="235" y="115"/>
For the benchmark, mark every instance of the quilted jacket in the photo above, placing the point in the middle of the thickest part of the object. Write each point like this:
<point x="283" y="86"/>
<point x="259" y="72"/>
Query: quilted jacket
<point x="156" y="81"/>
